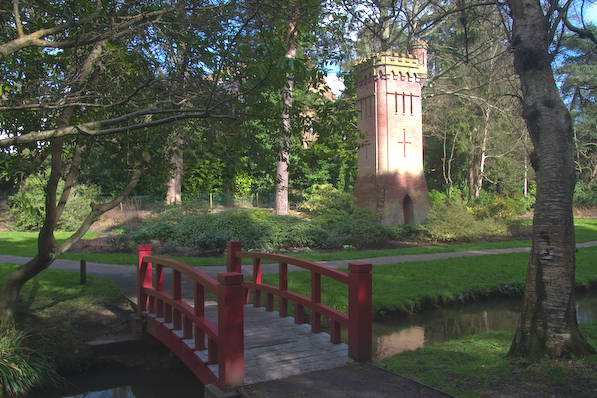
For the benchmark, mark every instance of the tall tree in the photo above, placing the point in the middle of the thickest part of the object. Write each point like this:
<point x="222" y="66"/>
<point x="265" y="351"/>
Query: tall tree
<point x="281" y="201"/>
<point x="71" y="105"/>
<point x="548" y="325"/>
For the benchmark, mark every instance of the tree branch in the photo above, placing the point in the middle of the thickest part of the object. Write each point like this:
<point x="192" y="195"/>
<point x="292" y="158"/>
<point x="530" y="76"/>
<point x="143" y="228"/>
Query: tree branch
<point x="102" y="127"/>
<point x="39" y="37"/>
<point x="98" y="209"/>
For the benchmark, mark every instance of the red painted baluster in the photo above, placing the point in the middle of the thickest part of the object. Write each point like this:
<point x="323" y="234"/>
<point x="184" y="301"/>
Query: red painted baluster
<point x="160" y="288"/>
<point x="143" y="277"/>
<point x="199" y="312"/>
<point x="187" y="327"/>
<point x="283" y="286"/>
<point x="212" y="351"/>
<point x="176" y="295"/>
<point x="167" y="313"/>
<point x="269" y="302"/>
<point x="360" y="311"/>
<point x="299" y="314"/>
<point x="316" y="299"/>
<point x="233" y="262"/>
<point x="257" y="280"/>
<point x="230" y="330"/>
<point x="335" y="331"/>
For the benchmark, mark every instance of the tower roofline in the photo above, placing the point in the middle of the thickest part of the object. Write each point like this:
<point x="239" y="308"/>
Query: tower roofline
<point x="390" y="62"/>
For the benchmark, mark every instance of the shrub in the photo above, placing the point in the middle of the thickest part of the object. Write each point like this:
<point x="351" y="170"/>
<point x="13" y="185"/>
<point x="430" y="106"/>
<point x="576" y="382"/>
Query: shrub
<point x="584" y="194"/>
<point x="28" y="206"/>
<point x="403" y="232"/>
<point x="22" y="368"/>
<point x="452" y="220"/>
<point x="360" y="229"/>
<point x="262" y="230"/>
<point x="323" y="198"/>
<point x="503" y="207"/>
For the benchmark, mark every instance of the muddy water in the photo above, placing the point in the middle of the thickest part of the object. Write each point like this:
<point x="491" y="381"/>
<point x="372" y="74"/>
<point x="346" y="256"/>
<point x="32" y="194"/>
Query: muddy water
<point x="130" y="383"/>
<point x="395" y="336"/>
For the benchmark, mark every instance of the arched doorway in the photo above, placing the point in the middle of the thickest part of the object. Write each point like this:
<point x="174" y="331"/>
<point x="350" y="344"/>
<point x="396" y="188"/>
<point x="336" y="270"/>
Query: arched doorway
<point x="408" y="210"/>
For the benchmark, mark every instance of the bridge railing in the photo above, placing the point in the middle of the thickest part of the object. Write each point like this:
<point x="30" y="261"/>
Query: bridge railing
<point x="225" y="344"/>
<point x="358" y="321"/>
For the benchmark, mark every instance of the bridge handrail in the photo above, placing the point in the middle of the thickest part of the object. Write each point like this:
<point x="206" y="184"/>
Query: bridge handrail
<point x="360" y="308"/>
<point x="225" y="341"/>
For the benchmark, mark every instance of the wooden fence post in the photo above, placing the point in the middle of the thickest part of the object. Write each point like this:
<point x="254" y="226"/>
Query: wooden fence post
<point x="143" y="277"/>
<point x="233" y="263"/>
<point x="360" y="312"/>
<point x="231" y="355"/>
<point x="83" y="272"/>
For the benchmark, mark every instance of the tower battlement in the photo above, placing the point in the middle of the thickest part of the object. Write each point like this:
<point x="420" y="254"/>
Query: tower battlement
<point x="394" y="63"/>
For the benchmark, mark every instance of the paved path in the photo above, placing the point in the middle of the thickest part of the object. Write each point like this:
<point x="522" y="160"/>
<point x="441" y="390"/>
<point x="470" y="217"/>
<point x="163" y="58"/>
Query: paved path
<point x="126" y="277"/>
<point x="351" y="381"/>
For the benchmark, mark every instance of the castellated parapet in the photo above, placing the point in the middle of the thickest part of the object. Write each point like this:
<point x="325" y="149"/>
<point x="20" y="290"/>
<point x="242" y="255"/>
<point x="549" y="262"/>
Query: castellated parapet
<point x="390" y="162"/>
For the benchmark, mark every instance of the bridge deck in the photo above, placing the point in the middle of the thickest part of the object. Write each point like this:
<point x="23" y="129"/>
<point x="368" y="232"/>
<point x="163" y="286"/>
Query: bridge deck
<point x="277" y="348"/>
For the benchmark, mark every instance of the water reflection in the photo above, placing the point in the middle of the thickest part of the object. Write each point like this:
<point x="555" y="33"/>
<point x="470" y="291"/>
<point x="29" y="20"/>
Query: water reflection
<point x="130" y="383"/>
<point x="393" y="337"/>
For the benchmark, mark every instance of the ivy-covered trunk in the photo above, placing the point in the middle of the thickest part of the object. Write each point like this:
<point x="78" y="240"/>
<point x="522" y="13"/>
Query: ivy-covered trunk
<point x="548" y="324"/>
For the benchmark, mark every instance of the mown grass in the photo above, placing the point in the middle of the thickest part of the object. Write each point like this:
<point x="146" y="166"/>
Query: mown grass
<point x="57" y="290"/>
<point x="477" y="366"/>
<point x="411" y="287"/>
<point x="60" y="314"/>
<point x="25" y="244"/>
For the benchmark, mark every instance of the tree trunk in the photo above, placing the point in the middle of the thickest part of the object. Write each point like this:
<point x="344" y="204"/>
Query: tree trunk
<point x="548" y="319"/>
<point x="478" y="181"/>
<point x="174" y="193"/>
<point x="281" y="200"/>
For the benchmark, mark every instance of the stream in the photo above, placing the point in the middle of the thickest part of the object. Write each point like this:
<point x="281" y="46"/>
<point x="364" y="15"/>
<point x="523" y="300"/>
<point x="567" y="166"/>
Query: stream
<point x="390" y="337"/>
<point x="395" y="336"/>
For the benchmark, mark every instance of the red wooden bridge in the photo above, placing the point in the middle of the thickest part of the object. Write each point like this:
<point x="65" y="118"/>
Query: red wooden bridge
<point x="225" y="336"/>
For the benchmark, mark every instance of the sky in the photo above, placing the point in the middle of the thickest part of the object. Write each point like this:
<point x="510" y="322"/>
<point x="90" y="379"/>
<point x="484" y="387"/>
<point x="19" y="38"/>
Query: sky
<point x="337" y="86"/>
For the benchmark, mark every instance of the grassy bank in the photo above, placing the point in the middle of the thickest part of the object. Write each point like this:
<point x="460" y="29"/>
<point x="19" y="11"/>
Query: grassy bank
<point x="477" y="366"/>
<point x="25" y="244"/>
<point x="61" y="315"/>
<point x="411" y="287"/>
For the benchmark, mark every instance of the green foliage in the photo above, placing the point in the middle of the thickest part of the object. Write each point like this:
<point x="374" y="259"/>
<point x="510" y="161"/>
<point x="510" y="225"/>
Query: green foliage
<point x="450" y="219"/>
<point x="22" y="367"/>
<point x="28" y="205"/>
<point x="585" y="194"/>
<point x="502" y="207"/>
<point x="404" y="232"/>
<point x="260" y="229"/>
<point x="323" y="198"/>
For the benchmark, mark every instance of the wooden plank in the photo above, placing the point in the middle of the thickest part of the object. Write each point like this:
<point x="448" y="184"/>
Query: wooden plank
<point x="276" y="347"/>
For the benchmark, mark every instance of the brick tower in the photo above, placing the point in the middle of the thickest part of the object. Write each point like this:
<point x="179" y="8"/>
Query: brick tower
<point x="390" y="162"/>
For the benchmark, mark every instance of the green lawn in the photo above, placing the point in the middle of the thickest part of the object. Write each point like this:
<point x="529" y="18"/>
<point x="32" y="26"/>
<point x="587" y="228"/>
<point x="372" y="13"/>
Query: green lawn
<point x="57" y="288"/>
<point x="410" y="287"/>
<point x="60" y="315"/>
<point x="24" y="244"/>
<point x="477" y="366"/>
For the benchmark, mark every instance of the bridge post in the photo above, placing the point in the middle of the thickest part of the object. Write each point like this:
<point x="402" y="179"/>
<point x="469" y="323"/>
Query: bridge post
<point x="233" y="263"/>
<point x="143" y="277"/>
<point x="360" y="312"/>
<point x="231" y="351"/>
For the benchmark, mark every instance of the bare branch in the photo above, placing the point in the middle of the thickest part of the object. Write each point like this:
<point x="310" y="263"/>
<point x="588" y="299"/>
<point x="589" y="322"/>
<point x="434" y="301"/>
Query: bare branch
<point x="39" y="38"/>
<point x="97" y="209"/>
<point x="583" y="33"/>
<point x="17" y="15"/>
<point x="102" y="127"/>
